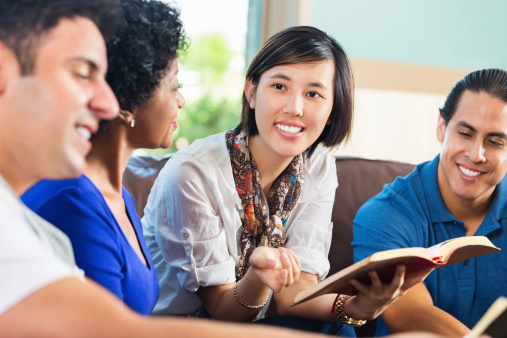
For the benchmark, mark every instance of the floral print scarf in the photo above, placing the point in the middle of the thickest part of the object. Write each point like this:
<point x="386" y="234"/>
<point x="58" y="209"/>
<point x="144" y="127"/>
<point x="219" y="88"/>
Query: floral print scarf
<point x="264" y="218"/>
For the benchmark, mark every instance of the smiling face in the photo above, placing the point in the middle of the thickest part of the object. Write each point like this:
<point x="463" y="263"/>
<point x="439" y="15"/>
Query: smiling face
<point x="473" y="158"/>
<point x="51" y="113"/>
<point x="155" y="122"/>
<point x="292" y="106"/>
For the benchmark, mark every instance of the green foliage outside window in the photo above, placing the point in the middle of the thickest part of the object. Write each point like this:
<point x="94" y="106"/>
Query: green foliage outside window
<point x="209" y="56"/>
<point x="219" y="105"/>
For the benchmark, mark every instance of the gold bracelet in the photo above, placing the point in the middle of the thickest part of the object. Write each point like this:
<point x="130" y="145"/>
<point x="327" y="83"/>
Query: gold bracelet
<point x="342" y="316"/>
<point x="253" y="307"/>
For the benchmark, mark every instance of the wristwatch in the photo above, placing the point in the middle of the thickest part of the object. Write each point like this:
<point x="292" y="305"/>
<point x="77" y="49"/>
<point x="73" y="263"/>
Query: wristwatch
<point x="342" y="316"/>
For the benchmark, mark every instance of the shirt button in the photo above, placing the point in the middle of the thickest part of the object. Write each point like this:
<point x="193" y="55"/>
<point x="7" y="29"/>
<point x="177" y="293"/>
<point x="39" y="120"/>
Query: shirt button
<point x="185" y="235"/>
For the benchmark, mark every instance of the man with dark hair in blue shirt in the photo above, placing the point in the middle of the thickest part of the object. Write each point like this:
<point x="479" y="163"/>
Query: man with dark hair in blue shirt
<point x="462" y="192"/>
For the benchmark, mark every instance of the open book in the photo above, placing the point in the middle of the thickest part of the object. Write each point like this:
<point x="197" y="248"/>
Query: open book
<point x="494" y="321"/>
<point x="415" y="259"/>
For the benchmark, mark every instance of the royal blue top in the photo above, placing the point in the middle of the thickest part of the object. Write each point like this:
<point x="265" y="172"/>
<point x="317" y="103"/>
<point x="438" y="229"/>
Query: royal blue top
<point x="410" y="212"/>
<point x="101" y="249"/>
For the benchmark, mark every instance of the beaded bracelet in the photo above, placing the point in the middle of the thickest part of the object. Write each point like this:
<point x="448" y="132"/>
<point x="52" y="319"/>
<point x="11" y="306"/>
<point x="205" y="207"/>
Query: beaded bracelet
<point x="338" y="309"/>
<point x="253" y="307"/>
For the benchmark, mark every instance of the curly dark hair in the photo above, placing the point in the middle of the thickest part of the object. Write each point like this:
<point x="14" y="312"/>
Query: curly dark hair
<point x="150" y="36"/>
<point x="24" y="23"/>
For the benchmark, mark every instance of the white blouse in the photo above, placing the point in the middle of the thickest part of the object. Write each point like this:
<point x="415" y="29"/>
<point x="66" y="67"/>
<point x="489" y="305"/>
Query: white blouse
<point x="193" y="216"/>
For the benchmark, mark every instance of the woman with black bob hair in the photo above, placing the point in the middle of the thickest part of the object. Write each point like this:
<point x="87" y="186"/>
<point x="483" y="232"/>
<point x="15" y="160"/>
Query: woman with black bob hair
<point x="95" y="210"/>
<point x="307" y="45"/>
<point x="242" y="214"/>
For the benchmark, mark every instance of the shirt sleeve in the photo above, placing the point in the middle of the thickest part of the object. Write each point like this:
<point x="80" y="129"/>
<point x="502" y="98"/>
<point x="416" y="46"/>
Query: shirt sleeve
<point x="89" y="226"/>
<point x="387" y="221"/>
<point x="310" y="236"/>
<point x="189" y="229"/>
<point x="27" y="263"/>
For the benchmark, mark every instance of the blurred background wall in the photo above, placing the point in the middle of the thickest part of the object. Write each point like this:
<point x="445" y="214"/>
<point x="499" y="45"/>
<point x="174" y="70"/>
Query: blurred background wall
<point x="406" y="56"/>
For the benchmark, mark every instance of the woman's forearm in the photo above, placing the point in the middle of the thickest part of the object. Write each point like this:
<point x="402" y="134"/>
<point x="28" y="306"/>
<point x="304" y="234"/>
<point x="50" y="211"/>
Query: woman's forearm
<point x="318" y="308"/>
<point x="223" y="303"/>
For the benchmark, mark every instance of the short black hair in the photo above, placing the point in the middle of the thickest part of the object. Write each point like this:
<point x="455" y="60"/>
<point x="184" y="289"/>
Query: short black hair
<point x="306" y="44"/>
<point x="149" y="37"/>
<point x="490" y="81"/>
<point x="23" y="23"/>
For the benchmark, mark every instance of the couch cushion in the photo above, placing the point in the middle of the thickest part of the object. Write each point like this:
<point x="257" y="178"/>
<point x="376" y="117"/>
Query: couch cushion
<point x="140" y="175"/>
<point x="358" y="180"/>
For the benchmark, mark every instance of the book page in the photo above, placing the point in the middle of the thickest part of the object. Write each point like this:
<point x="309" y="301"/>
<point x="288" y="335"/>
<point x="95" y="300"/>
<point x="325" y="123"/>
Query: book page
<point x="416" y="260"/>
<point x="492" y="322"/>
<point x="461" y="248"/>
<point x="436" y="249"/>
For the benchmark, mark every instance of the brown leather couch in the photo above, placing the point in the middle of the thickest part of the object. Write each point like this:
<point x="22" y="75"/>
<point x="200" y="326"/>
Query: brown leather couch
<point x="358" y="178"/>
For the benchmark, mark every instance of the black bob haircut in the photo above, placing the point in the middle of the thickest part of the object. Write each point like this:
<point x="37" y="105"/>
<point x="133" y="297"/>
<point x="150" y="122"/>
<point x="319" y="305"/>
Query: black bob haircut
<point x="305" y="44"/>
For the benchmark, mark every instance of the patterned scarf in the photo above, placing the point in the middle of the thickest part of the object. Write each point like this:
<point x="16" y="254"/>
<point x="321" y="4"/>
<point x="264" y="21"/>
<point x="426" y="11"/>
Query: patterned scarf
<point x="264" y="219"/>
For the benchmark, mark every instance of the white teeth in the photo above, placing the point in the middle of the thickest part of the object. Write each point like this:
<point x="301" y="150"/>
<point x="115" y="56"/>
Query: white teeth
<point x="84" y="132"/>
<point x="469" y="173"/>
<point x="289" y="129"/>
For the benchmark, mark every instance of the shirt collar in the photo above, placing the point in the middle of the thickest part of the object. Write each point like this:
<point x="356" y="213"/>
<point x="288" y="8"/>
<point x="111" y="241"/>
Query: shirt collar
<point x="498" y="208"/>
<point x="429" y="177"/>
<point x="437" y="209"/>
<point x="310" y="190"/>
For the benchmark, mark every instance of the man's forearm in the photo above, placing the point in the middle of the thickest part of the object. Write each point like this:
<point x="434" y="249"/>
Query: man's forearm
<point x="415" y="312"/>
<point x="71" y="308"/>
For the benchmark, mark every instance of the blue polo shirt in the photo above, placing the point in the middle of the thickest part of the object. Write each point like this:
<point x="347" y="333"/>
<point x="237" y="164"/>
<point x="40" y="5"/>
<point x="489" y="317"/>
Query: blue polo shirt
<point x="410" y="212"/>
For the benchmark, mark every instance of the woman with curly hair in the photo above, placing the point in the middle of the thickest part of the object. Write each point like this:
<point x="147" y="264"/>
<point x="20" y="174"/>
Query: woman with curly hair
<point x="95" y="210"/>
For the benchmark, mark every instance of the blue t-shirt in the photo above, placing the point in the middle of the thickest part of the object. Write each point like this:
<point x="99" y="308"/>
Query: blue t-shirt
<point x="101" y="249"/>
<point x="410" y="212"/>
